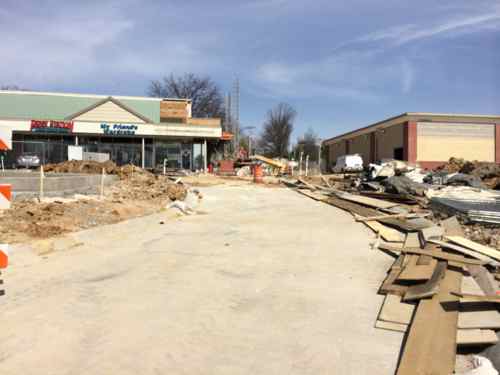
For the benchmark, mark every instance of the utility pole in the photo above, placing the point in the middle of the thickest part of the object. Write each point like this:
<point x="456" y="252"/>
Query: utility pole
<point x="250" y="129"/>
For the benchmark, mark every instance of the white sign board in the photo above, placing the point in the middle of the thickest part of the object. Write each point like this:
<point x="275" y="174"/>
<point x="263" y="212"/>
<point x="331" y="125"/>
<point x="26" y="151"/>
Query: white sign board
<point x="75" y="153"/>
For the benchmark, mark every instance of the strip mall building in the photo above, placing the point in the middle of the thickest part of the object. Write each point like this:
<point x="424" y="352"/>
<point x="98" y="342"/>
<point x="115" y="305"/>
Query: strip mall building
<point x="429" y="139"/>
<point x="140" y="130"/>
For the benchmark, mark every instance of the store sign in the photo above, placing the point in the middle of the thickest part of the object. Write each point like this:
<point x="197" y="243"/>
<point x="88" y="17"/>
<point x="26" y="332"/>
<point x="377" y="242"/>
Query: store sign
<point x="119" y="129"/>
<point x="46" y="126"/>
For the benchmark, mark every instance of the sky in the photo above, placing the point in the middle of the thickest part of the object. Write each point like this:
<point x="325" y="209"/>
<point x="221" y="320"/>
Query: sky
<point x="341" y="64"/>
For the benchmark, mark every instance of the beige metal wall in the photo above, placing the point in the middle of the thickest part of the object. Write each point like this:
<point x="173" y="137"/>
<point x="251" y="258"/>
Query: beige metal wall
<point x="387" y="140"/>
<point x="334" y="151"/>
<point x="361" y="145"/>
<point x="111" y="112"/>
<point x="440" y="141"/>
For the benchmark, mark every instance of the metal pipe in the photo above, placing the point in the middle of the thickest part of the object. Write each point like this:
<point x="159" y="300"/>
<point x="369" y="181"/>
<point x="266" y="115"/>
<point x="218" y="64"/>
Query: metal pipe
<point x="300" y="163"/>
<point x="143" y="153"/>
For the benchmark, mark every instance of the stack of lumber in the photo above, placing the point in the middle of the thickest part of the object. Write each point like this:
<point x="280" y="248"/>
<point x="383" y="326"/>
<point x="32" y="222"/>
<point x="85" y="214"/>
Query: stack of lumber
<point x="441" y="290"/>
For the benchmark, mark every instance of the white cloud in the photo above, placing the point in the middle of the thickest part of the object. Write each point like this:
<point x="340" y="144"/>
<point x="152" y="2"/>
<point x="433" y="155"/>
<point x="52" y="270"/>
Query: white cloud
<point x="403" y="34"/>
<point x="350" y="74"/>
<point x="360" y="68"/>
<point x="75" y="46"/>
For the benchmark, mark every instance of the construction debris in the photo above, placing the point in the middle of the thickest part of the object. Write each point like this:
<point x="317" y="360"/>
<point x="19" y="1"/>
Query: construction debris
<point x="458" y="188"/>
<point x="442" y="287"/>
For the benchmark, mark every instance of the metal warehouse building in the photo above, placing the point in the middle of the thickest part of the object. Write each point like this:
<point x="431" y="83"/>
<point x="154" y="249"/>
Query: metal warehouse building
<point x="140" y="130"/>
<point x="427" y="138"/>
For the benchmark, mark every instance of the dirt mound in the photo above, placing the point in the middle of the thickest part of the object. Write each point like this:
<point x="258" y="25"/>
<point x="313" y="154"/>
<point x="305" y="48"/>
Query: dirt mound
<point x="453" y="165"/>
<point x="137" y="193"/>
<point x="78" y="166"/>
<point x="488" y="173"/>
<point x="94" y="167"/>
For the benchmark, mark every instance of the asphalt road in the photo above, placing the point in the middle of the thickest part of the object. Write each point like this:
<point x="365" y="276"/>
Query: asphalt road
<point x="265" y="282"/>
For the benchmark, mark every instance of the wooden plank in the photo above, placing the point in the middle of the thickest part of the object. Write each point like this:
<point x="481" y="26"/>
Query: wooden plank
<point x="469" y="286"/>
<point x="352" y="207"/>
<point x="378" y="217"/>
<point x="484" y="279"/>
<point x="432" y="252"/>
<point x="435" y="232"/>
<point x="463" y="250"/>
<point x="387" y="233"/>
<point x="471" y="317"/>
<point x="316" y="196"/>
<point x="431" y="343"/>
<point x="391" y="326"/>
<point x="429" y="288"/>
<point x="467" y="337"/>
<point x="405" y="225"/>
<point x="366" y="201"/>
<point x="412" y="240"/>
<point x="396" y="311"/>
<point x="326" y="182"/>
<point x="409" y="261"/>
<point x="306" y="184"/>
<point x="476" y="298"/>
<point x="388" y="286"/>
<point x="485" y="250"/>
<point x="410" y="225"/>
<point x="415" y="272"/>
<point x="397" y="198"/>
<point x="424" y="260"/>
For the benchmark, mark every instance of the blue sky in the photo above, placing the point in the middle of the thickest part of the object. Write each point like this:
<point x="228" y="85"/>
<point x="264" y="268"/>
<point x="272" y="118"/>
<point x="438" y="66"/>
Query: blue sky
<point x="342" y="64"/>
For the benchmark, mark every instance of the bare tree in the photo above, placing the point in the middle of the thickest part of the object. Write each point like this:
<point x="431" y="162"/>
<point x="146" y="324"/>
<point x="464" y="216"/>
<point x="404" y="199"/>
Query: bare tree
<point x="308" y="143"/>
<point x="207" y="100"/>
<point x="278" y="128"/>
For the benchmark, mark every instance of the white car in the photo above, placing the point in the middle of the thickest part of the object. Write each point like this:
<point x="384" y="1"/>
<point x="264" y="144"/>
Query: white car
<point x="348" y="163"/>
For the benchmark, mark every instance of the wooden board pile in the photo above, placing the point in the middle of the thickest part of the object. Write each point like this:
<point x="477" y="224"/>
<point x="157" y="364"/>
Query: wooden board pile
<point x="442" y="289"/>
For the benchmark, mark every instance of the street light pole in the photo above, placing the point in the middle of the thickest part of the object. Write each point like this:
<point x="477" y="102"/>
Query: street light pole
<point x="250" y="129"/>
<point x="319" y="155"/>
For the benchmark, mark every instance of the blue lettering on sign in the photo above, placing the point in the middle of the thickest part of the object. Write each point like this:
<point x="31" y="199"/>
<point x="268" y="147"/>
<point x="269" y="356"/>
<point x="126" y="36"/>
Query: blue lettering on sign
<point x="119" y="129"/>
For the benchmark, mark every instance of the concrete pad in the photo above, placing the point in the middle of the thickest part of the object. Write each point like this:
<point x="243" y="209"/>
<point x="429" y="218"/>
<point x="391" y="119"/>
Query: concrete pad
<point x="266" y="282"/>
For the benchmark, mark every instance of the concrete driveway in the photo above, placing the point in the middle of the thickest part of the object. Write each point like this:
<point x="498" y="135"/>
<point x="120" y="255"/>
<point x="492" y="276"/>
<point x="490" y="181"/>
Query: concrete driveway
<point x="266" y="282"/>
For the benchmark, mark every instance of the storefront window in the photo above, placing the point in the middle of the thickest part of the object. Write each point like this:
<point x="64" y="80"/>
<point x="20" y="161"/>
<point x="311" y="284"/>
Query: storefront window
<point x="49" y="148"/>
<point x="53" y="148"/>
<point x="168" y="152"/>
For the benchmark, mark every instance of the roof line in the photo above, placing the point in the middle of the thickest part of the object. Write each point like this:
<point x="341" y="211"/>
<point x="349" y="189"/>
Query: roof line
<point x="366" y="127"/>
<point x="113" y="100"/>
<point x="406" y="114"/>
<point x="48" y="93"/>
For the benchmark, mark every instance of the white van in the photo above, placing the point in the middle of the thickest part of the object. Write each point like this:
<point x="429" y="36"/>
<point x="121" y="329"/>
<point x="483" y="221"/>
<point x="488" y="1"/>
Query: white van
<point x="348" y="163"/>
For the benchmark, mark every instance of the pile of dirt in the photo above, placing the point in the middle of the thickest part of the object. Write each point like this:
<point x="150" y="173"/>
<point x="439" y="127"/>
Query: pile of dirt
<point x="137" y="193"/>
<point x="146" y="186"/>
<point x="94" y="167"/>
<point x="79" y="166"/>
<point x="487" y="172"/>
<point x="484" y="234"/>
<point x="453" y="165"/>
